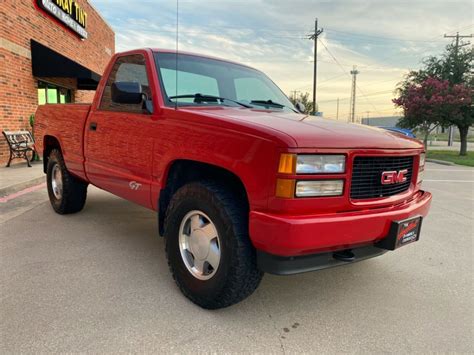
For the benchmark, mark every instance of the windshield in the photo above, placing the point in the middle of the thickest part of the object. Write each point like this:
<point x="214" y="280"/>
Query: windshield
<point x="202" y="80"/>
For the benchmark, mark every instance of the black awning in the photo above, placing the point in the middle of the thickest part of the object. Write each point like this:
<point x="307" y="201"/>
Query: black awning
<point x="48" y="63"/>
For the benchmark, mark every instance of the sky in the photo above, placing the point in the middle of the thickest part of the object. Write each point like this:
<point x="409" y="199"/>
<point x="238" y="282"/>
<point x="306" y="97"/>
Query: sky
<point x="384" y="39"/>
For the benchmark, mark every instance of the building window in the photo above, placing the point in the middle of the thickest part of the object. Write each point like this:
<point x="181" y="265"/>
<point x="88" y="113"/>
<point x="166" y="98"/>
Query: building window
<point x="53" y="94"/>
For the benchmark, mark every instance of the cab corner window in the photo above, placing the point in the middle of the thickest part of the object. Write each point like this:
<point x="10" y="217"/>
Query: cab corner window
<point x="129" y="69"/>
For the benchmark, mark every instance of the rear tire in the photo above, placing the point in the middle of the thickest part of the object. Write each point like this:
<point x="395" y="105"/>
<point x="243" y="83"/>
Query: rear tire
<point x="67" y="193"/>
<point x="235" y="275"/>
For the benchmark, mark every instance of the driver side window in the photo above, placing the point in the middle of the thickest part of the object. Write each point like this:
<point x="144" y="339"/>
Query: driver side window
<point x="130" y="68"/>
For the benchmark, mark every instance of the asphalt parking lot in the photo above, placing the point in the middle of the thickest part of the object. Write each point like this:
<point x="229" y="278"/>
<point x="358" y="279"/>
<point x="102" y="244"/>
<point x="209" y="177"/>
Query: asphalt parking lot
<point x="98" y="281"/>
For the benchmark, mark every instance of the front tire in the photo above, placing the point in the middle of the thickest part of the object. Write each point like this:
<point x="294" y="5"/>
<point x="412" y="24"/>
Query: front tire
<point x="208" y="248"/>
<point x="67" y="193"/>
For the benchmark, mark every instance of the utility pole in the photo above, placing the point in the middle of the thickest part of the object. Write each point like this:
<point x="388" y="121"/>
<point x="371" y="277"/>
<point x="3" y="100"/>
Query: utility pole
<point x="337" y="109"/>
<point x="314" y="37"/>
<point x="457" y="77"/>
<point x="354" y="73"/>
<point x="294" y="94"/>
<point x="457" y="46"/>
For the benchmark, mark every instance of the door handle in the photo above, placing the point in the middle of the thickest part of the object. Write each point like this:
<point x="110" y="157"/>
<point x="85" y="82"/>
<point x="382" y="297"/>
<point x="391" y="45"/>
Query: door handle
<point x="93" y="126"/>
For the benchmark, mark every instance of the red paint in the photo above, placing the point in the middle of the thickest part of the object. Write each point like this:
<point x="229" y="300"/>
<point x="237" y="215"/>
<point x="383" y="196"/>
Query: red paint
<point x="394" y="177"/>
<point x="247" y="142"/>
<point x="22" y="192"/>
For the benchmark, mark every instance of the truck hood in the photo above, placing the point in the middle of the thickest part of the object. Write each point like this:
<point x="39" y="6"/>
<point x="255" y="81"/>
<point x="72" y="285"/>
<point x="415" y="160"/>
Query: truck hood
<point x="311" y="132"/>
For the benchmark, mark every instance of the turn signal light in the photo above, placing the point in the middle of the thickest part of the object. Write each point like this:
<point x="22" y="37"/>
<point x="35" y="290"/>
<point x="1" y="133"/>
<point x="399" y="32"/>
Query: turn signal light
<point x="285" y="188"/>
<point x="287" y="164"/>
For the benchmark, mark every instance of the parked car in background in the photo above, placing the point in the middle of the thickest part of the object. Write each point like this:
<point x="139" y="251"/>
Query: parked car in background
<point x="405" y="131"/>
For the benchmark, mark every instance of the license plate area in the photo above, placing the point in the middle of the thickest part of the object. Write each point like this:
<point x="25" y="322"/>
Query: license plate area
<point x="402" y="233"/>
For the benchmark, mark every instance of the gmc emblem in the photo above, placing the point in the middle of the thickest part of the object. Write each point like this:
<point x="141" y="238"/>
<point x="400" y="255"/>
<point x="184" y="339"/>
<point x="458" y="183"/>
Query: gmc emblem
<point x="394" y="177"/>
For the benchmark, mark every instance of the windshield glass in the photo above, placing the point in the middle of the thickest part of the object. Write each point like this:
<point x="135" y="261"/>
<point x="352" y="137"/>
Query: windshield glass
<point x="199" y="79"/>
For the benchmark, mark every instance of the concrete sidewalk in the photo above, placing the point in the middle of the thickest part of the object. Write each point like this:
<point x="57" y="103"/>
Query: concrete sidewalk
<point x="18" y="177"/>
<point x="443" y="145"/>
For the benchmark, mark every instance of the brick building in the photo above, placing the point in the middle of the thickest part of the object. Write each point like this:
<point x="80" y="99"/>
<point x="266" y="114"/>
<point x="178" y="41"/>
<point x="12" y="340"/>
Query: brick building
<point x="51" y="51"/>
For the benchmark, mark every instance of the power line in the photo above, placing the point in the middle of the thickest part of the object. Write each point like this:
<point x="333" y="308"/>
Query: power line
<point x="354" y="34"/>
<point x="374" y="93"/>
<point x="322" y="82"/>
<point x="342" y="68"/>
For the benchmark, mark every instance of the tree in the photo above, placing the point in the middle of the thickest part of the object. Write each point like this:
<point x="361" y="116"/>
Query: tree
<point x="432" y="102"/>
<point x="304" y="99"/>
<point x="454" y="66"/>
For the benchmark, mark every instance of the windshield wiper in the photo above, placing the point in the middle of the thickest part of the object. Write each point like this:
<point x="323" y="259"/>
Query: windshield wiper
<point x="198" y="98"/>
<point x="270" y="103"/>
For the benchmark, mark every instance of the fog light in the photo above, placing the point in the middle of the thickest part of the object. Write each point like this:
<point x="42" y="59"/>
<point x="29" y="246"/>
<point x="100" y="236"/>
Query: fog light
<point x="319" y="188"/>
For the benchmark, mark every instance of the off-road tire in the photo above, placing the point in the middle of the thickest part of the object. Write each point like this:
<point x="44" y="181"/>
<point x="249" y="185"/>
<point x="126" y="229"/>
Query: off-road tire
<point x="237" y="276"/>
<point x="74" y="190"/>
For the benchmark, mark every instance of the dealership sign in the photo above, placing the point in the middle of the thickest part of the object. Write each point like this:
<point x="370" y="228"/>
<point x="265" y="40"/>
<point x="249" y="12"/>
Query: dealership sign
<point x="67" y="12"/>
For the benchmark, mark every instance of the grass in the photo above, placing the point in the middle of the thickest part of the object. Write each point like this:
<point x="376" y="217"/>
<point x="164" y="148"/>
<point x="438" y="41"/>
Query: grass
<point x="452" y="156"/>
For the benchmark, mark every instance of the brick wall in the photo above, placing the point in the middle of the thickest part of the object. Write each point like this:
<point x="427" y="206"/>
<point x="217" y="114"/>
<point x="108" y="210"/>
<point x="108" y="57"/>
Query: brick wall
<point x="21" y="21"/>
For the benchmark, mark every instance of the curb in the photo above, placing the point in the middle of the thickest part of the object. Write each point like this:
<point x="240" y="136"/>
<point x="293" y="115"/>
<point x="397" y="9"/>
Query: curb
<point x="8" y="190"/>
<point x="441" y="162"/>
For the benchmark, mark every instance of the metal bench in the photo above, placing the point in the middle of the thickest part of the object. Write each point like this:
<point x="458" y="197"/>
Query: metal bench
<point x="21" y="145"/>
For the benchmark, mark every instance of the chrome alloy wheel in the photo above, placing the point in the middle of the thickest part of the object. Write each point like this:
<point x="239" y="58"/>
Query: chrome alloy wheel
<point x="199" y="245"/>
<point x="57" y="182"/>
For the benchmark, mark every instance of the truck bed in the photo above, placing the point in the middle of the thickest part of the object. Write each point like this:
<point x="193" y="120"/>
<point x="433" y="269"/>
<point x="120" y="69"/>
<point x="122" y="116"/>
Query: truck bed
<point x="64" y="122"/>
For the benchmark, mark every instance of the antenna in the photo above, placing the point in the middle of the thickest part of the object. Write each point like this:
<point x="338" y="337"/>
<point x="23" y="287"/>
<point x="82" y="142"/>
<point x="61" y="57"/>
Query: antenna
<point x="176" y="65"/>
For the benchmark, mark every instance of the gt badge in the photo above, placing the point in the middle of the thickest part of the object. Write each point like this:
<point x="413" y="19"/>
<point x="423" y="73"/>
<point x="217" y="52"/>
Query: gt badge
<point x="134" y="185"/>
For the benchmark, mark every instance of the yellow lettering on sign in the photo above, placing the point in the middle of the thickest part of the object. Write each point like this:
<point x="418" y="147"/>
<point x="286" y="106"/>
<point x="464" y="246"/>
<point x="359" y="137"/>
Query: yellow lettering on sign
<point x="81" y="17"/>
<point x="66" y="5"/>
<point x="72" y="8"/>
<point x="84" y="22"/>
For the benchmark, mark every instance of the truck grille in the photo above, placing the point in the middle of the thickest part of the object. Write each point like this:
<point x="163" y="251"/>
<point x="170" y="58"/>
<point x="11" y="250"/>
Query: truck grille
<point x="367" y="176"/>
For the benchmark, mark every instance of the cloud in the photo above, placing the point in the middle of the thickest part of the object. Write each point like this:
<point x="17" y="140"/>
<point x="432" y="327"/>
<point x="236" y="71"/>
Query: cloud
<point x="384" y="39"/>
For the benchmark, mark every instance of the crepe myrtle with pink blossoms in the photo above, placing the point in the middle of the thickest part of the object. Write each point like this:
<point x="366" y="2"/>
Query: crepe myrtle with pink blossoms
<point x="434" y="102"/>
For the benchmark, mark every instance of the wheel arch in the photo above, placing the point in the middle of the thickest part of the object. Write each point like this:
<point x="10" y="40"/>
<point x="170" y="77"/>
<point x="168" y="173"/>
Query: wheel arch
<point x="183" y="171"/>
<point x="49" y="143"/>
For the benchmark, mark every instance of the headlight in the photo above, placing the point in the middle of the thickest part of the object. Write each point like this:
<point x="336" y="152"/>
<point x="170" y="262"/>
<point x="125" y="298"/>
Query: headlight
<point x="320" y="164"/>
<point x="422" y="159"/>
<point x="319" y="188"/>
<point x="421" y="168"/>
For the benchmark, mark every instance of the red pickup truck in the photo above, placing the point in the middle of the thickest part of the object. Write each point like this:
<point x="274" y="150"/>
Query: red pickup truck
<point x="242" y="182"/>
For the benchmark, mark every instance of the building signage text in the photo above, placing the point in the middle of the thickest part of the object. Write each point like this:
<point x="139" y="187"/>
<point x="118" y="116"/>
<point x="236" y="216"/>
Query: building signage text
<point x="69" y="12"/>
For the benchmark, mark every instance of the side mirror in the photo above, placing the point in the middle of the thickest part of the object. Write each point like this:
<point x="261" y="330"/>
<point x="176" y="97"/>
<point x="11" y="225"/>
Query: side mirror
<point x="300" y="107"/>
<point x="127" y="92"/>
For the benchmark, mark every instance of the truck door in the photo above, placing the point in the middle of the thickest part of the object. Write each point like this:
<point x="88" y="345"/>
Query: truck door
<point x="119" y="138"/>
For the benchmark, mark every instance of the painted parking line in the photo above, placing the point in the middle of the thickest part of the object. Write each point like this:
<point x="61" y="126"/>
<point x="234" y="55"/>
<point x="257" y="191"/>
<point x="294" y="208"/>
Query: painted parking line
<point x="450" y="170"/>
<point x="469" y="181"/>
<point x="22" y="192"/>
